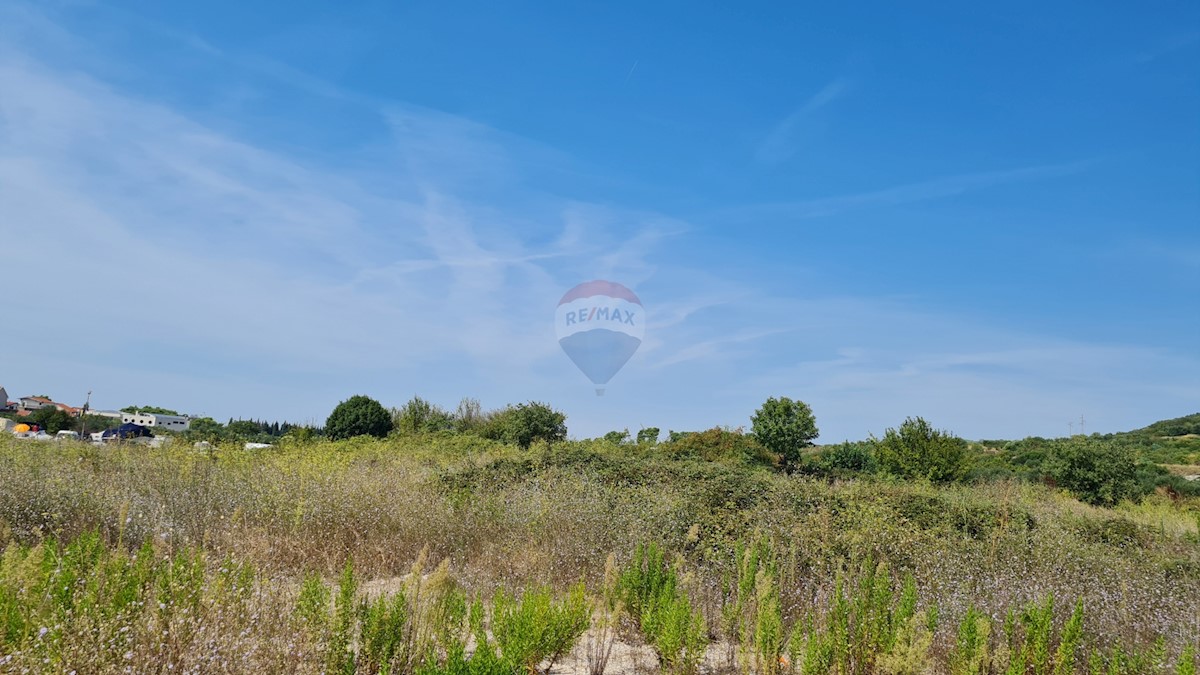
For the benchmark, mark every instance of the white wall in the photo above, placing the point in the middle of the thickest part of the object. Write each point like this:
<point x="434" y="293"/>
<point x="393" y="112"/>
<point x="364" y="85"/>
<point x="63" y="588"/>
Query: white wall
<point x="169" y="422"/>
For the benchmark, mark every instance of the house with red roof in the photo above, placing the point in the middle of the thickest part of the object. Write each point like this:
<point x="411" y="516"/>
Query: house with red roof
<point x="28" y="404"/>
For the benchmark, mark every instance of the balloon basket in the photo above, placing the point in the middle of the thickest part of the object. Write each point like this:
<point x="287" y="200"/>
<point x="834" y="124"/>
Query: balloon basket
<point x="599" y="391"/>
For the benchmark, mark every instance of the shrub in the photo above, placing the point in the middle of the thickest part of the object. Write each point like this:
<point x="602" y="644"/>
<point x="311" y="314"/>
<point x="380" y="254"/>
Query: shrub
<point x="51" y="419"/>
<point x="527" y="422"/>
<point x="652" y="596"/>
<point x="917" y="450"/>
<point x="751" y="613"/>
<point x="610" y="606"/>
<point x="719" y="445"/>
<point x="1186" y="664"/>
<point x="617" y="437"/>
<point x="784" y="427"/>
<point x="420" y="416"/>
<point x="312" y="605"/>
<point x="648" y="436"/>
<point x="676" y="631"/>
<point x="358" y="416"/>
<point x="537" y="628"/>
<point x="847" y="459"/>
<point x="340" y="658"/>
<point x="384" y="622"/>
<point x="469" y="416"/>
<point x="1097" y="472"/>
<point x="970" y="656"/>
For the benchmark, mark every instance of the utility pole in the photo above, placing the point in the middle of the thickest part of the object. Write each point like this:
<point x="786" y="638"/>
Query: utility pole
<point x="1070" y="429"/>
<point x="1081" y="431"/>
<point x="87" y="405"/>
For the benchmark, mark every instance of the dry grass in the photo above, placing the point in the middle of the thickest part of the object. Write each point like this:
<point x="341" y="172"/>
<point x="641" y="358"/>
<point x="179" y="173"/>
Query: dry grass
<point x="506" y="519"/>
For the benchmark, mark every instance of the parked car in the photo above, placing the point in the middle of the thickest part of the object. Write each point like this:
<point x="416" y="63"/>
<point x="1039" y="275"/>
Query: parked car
<point x="66" y="435"/>
<point x="35" y="436"/>
<point x="126" y="432"/>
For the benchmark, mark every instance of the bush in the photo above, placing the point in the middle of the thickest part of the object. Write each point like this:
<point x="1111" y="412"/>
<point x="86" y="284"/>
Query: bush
<point x="527" y="422"/>
<point x="751" y="611"/>
<point x="537" y="628"/>
<point x="917" y="450"/>
<point x="1097" y="472"/>
<point x="420" y="416"/>
<point x="847" y="459"/>
<point x="784" y="427"/>
<point x="650" y="591"/>
<point x="617" y="437"/>
<point x="51" y="419"/>
<point x="719" y="445"/>
<point x="358" y="416"/>
<point x="648" y="436"/>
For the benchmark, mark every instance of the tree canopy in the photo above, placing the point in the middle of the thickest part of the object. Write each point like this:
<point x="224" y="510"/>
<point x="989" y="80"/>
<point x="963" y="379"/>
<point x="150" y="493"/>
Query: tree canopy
<point x="358" y="416"/>
<point x="52" y="419"/>
<point x="917" y="450"/>
<point x="784" y="427"/>
<point x="421" y="416"/>
<point x="1097" y="472"/>
<point x="525" y="423"/>
<point x="148" y="410"/>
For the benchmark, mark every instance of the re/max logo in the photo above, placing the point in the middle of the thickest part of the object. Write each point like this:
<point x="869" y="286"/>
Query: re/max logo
<point x="599" y="314"/>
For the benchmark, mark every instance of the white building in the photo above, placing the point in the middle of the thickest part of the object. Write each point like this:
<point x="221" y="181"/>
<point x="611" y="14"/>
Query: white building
<point x="34" y="403"/>
<point x="168" y="422"/>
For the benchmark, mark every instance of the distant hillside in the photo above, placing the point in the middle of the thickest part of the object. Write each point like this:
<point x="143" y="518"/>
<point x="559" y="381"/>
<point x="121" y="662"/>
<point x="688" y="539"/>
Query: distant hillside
<point x="1188" y="424"/>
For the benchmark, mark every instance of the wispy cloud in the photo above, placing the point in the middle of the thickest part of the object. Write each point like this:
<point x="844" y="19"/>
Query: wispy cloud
<point x="200" y="266"/>
<point x="725" y="347"/>
<point x="782" y="142"/>
<point x="196" y="246"/>
<point x="938" y="188"/>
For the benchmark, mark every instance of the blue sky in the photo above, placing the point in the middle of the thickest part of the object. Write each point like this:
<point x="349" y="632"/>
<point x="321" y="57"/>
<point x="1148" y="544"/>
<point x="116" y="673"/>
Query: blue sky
<point x="986" y="216"/>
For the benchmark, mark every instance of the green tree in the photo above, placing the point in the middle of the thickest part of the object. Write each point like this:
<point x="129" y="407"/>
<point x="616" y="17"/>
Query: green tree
<point x="94" y="423"/>
<point x="301" y="434"/>
<point x="358" y="416"/>
<point x="528" y="422"/>
<point x="785" y="427"/>
<point x="648" y="436"/>
<point x="917" y="450"/>
<point x="469" y="416"/>
<point x="148" y="410"/>
<point x="617" y="437"/>
<point x="52" y="420"/>
<point x="205" y="429"/>
<point x="1097" y="472"/>
<point x="847" y="459"/>
<point x="729" y="446"/>
<point x="420" y="416"/>
<point x="244" y="430"/>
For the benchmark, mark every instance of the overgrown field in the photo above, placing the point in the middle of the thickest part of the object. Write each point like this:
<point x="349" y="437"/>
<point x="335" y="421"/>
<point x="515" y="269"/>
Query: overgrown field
<point x="300" y="558"/>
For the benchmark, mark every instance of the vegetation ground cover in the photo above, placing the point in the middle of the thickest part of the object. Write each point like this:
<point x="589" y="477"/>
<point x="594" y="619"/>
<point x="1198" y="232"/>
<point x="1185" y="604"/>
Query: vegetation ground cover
<point x="124" y="555"/>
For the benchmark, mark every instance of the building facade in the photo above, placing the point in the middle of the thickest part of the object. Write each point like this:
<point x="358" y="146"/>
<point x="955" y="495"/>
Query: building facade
<point x="34" y="403"/>
<point x="168" y="422"/>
